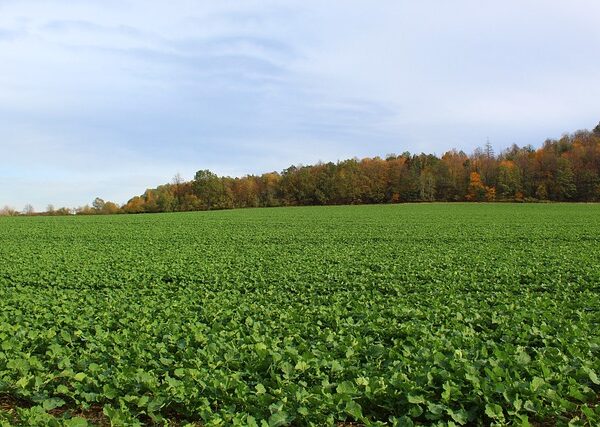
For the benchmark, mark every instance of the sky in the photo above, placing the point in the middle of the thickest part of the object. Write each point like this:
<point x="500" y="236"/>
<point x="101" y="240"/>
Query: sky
<point x="107" y="98"/>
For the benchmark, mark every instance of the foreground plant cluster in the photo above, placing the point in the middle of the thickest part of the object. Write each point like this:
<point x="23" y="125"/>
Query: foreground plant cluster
<point x="394" y="315"/>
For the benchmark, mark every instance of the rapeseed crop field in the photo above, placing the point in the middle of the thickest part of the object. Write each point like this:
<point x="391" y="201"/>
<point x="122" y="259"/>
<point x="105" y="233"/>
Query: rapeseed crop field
<point x="389" y="315"/>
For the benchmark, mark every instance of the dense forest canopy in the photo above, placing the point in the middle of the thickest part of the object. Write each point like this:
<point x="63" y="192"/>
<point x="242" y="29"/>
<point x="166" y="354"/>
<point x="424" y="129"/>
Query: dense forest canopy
<point x="567" y="169"/>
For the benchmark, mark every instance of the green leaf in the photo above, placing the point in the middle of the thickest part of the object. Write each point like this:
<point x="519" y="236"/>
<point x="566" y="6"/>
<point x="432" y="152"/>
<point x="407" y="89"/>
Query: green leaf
<point x="76" y="422"/>
<point x="278" y="419"/>
<point x="403" y="421"/>
<point x="536" y="383"/>
<point x="52" y="403"/>
<point x="336" y="366"/>
<point x="416" y="398"/>
<point x="62" y="389"/>
<point x="155" y="404"/>
<point x="346" y="387"/>
<point x="494" y="411"/>
<point x="461" y="416"/>
<point x="523" y="358"/>
<point x="588" y="412"/>
<point x="524" y="421"/>
<point x="354" y="410"/>
<point x="435" y="409"/>
<point x="80" y="376"/>
<point x="301" y="366"/>
<point x="447" y="391"/>
<point x="143" y="401"/>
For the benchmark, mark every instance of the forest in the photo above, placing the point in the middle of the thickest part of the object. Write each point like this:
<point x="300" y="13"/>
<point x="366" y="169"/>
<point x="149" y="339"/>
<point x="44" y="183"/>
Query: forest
<point x="561" y="170"/>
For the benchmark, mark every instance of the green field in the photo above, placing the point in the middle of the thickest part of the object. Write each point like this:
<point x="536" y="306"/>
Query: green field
<point x="428" y="314"/>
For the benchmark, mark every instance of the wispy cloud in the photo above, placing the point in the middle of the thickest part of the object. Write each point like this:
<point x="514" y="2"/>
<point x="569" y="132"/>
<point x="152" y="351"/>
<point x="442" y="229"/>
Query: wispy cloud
<point x="9" y="35"/>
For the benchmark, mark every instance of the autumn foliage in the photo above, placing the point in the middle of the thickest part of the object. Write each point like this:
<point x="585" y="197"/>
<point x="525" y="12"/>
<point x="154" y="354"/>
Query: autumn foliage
<point x="567" y="169"/>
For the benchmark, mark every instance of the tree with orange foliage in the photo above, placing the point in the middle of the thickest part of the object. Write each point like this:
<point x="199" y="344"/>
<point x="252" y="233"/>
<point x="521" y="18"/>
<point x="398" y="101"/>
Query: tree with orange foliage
<point x="134" y="205"/>
<point x="476" y="190"/>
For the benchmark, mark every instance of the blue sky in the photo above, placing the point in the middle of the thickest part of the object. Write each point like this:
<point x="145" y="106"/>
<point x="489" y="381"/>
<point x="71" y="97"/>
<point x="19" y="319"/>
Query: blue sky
<point x="107" y="98"/>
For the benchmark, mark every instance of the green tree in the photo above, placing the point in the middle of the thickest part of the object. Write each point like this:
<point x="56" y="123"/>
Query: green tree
<point x="565" y="180"/>
<point x="208" y="187"/>
<point x="541" y="192"/>
<point x="165" y="198"/>
<point x="98" y="204"/>
<point x="427" y="185"/>
<point x="509" y="180"/>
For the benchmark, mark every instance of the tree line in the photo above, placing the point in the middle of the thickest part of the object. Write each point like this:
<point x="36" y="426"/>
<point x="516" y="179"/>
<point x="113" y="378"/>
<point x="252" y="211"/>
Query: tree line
<point x="565" y="170"/>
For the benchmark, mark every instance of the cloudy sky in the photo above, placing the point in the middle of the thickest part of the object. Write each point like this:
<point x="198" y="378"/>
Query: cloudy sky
<point x="107" y="98"/>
